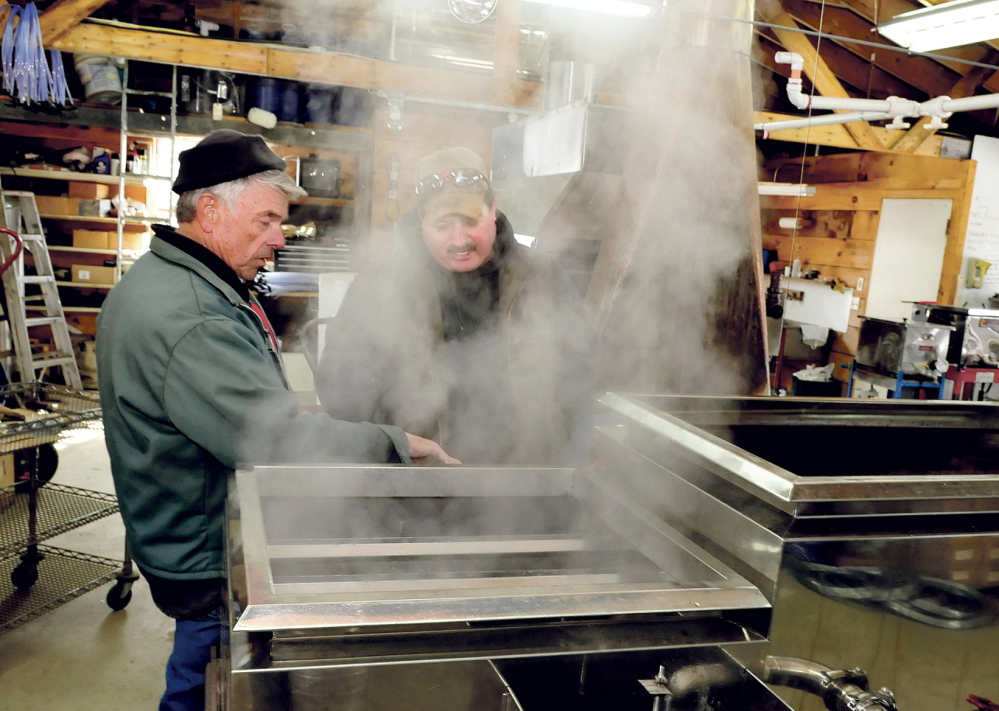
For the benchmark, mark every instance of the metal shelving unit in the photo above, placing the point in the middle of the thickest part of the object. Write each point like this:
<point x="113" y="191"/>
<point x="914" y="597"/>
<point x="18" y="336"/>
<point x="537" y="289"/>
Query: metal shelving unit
<point x="35" y="578"/>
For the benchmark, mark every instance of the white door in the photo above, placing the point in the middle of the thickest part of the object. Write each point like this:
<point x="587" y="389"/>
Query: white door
<point x="908" y="256"/>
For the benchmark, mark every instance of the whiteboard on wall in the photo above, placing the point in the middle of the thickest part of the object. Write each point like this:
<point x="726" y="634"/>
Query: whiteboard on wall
<point x="908" y="256"/>
<point x="981" y="241"/>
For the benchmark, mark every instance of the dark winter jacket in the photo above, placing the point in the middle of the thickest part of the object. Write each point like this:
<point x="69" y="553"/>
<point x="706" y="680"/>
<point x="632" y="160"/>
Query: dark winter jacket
<point x="190" y="385"/>
<point x="495" y="365"/>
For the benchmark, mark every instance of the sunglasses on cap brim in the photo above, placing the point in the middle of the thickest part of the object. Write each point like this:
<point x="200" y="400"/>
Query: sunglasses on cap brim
<point x="433" y="184"/>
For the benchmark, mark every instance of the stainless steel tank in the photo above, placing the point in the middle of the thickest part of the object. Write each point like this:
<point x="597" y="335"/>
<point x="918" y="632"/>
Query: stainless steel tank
<point x="871" y="526"/>
<point x="477" y="588"/>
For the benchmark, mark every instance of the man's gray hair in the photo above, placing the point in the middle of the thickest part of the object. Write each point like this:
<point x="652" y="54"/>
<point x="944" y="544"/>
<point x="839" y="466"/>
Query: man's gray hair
<point x="228" y="193"/>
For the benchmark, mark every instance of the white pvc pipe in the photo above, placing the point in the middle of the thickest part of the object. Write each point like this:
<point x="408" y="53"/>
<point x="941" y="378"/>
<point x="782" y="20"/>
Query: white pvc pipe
<point x="796" y="61"/>
<point x="971" y="103"/>
<point x="827" y="120"/>
<point x="834" y="103"/>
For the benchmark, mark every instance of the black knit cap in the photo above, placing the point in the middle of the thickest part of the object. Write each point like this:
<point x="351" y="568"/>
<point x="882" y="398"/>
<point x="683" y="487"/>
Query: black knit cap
<point x="221" y="156"/>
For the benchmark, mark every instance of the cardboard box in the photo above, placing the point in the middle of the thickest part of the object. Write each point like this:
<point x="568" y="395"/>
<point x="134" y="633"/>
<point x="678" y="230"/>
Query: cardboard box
<point x="132" y="192"/>
<point x="87" y="274"/>
<point x="93" y="208"/>
<point x="49" y="205"/>
<point x="129" y="240"/>
<point x="94" y="239"/>
<point x="89" y="191"/>
<point x="7" y="475"/>
<point x="6" y="469"/>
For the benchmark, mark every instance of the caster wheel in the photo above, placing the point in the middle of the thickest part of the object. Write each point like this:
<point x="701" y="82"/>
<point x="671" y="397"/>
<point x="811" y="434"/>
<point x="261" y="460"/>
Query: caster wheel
<point x="119" y="596"/>
<point x="24" y="576"/>
<point x="42" y="461"/>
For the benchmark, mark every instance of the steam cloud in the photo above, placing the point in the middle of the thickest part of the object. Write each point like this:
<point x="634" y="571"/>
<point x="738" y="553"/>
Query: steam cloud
<point x="674" y="294"/>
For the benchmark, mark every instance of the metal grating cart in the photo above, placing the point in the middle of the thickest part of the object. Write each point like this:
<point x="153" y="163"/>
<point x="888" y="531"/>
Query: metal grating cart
<point x="35" y="578"/>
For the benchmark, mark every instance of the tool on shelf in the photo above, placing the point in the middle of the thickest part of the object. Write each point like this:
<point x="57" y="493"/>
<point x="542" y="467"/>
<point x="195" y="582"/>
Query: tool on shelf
<point x="20" y="214"/>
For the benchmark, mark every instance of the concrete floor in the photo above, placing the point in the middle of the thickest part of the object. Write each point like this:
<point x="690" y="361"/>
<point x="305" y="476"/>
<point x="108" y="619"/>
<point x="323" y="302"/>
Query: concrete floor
<point x="82" y="656"/>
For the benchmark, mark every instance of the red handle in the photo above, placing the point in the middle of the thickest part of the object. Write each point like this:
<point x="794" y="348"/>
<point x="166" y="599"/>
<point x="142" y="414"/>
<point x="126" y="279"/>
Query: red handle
<point x="17" y="250"/>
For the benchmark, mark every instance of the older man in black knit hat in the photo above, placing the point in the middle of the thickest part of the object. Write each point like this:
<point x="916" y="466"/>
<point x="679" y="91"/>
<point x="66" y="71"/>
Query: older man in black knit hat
<point x="191" y="383"/>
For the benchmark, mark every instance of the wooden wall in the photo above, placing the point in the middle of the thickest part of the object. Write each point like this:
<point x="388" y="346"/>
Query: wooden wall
<point x="842" y="220"/>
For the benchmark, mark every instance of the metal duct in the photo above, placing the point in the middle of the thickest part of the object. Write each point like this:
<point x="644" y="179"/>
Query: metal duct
<point x="655" y="208"/>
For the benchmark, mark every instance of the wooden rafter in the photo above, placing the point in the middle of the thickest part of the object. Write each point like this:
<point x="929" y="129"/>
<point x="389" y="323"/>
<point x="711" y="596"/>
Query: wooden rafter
<point x="64" y="15"/>
<point x="913" y="75"/>
<point x="836" y="135"/>
<point x="873" y="11"/>
<point x="823" y="79"/>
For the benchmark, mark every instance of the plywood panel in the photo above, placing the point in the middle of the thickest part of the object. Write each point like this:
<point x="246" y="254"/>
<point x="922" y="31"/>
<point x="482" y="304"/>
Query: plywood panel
<point x="819" y="252"/>
<point x="956" y="237"/>
<point x="846" y="343"/>
<point x="865" y="224"/>
<point x="856" y="279"/>
<point x="814" y="223"/>
<point x="916" y="169"/>
<point x="827" y="197"/>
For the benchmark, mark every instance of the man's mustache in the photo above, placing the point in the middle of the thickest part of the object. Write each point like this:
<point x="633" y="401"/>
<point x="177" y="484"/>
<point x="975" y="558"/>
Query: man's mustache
<point x="468" y="247"/>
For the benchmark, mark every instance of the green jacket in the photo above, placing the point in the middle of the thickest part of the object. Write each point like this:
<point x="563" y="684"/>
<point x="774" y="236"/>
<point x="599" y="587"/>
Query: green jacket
<point x="190" y="386"/>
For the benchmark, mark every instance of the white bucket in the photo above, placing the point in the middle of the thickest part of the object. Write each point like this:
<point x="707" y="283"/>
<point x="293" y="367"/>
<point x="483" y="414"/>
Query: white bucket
<point x="101" y="83"/>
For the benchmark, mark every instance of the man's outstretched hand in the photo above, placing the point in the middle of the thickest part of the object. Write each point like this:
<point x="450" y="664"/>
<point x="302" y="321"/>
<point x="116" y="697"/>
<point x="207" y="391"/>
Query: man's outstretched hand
<point x="426" y="450"/>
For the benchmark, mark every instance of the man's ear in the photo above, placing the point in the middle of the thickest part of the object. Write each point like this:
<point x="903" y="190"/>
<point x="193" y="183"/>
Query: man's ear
<point x="207" y="212"/>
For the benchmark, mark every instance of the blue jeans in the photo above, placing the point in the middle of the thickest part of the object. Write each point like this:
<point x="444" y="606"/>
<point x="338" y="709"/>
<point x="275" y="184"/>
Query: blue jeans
<point x="185" y="671"/>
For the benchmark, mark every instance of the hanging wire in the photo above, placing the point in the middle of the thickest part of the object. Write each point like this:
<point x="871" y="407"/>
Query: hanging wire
<point x="27" y="76"/>
<point x="808" y="129"/>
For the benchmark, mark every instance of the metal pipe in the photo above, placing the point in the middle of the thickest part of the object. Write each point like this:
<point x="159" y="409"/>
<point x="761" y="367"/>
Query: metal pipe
<point x="501" y="108"/>
<point x="796" y="674"/>
<point x="841" y="690"/>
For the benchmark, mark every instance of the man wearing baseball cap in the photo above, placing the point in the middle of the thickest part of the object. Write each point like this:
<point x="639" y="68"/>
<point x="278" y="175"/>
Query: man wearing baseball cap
<point x="463" y="335"/>
<point x="191" y="383"/>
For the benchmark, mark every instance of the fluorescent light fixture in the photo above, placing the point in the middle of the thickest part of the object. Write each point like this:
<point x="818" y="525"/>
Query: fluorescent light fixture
<point x="526" y="240"/>
<point x="786" y="189"/>
<point x="610" y="7"/>
<point x="951" y="24"/>
<point x="464" y="61"/>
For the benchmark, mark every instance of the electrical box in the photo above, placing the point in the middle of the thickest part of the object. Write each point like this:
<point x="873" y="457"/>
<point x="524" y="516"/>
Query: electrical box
<point x="976" y="272"/>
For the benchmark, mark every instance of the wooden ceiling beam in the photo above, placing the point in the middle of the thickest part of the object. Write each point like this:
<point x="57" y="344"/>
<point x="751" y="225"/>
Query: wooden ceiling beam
<point x="64" y="15"/>
<point x="300" y="65"/>
<point x="822" y="77"/>
<point x="886" y="9"/>
<point x="924" y="74"/>
<point x="836" y="136"/>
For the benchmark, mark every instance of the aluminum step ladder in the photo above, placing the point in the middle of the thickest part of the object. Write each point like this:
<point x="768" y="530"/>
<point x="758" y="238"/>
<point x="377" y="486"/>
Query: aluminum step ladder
<point x="20" y="213"/>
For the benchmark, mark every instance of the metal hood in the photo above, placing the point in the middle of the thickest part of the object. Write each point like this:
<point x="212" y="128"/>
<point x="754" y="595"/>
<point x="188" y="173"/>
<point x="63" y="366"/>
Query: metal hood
<point x="554" y="153"/>
<point x="654" y="208"/>
<point x="557" y="166"/>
